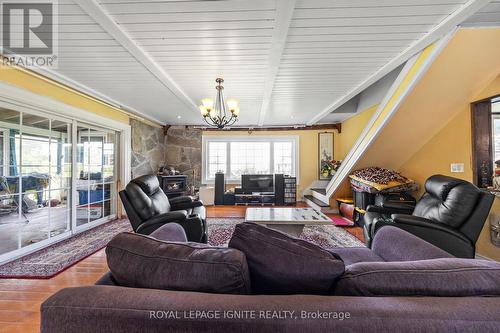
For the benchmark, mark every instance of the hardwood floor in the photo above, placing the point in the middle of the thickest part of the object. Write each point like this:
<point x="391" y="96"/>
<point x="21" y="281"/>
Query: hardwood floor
<point x="20" y="299"/>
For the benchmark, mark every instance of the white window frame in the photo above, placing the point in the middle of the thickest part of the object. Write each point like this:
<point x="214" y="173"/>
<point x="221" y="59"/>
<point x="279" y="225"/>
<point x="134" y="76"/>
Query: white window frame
<point x="18" y="99"/>
<point x="244" y="138"/>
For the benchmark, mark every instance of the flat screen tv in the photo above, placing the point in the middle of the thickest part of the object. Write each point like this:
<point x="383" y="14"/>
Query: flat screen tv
<point x="257" y="183"/>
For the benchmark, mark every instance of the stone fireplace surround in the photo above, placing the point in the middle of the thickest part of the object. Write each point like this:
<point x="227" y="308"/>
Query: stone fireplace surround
<point x="179" y="148"/>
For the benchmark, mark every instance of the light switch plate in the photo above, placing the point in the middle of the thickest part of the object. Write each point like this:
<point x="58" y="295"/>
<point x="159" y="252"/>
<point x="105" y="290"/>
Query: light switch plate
<point x="457" y="167"/>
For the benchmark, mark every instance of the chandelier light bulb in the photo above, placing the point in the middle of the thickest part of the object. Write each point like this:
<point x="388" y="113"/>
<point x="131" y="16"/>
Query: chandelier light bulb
<point x="232" y="104"/>
<point x="236" y="111"/>
<point x="208" y="103"/>
<point x="203" y="110"/>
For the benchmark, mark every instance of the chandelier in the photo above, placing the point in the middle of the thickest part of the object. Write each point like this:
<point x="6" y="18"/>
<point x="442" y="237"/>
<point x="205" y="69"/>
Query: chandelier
<point x="216" y="113"/>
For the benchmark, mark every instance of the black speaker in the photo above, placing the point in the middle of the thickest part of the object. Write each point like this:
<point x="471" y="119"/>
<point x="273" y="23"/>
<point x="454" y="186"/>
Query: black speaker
<point x="279" y="189"/>
<point x="220" y="188"/>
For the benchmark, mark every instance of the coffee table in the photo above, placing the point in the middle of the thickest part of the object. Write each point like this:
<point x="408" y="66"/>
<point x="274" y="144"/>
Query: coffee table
<point x="290" y="220"/>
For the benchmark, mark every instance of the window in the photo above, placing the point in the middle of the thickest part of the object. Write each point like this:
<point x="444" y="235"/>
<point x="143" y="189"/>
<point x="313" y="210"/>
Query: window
<point x="495" y="111"/>
<point x="96" y="181"/>
<point x="249" y="158"/>
<point x="283" y="157"/>
<point x="217" y="158"/>
<point x="36" y="179"/>
<point x="235" y="156"/>
<point x="486" y="141"/>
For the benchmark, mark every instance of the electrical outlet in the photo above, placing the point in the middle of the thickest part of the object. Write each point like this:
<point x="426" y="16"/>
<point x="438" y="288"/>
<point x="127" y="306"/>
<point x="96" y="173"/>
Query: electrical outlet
<point x="457" y="167"/>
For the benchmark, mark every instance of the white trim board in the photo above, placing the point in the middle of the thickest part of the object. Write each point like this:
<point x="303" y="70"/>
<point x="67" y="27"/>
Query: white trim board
<point x="284" y="14"/>
<point x="79" y="87"/>
<point x="447" y="25"/>
<point x="357" y="150"/>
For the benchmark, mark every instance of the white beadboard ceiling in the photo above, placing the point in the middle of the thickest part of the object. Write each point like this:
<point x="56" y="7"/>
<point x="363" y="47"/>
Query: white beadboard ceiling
<point x="488" y="16"/>
<point x="288" y="62"/>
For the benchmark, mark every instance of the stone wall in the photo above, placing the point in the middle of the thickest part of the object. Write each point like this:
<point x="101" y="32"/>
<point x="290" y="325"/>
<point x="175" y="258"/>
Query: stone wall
<point x="183" y="152"/>
<point x="148" y="148"/>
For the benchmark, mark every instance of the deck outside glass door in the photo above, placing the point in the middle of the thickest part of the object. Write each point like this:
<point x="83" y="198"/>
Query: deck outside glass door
<point x="35" y="181"/>
<point x="96" y="156"/>
<point x="57" y="177"/>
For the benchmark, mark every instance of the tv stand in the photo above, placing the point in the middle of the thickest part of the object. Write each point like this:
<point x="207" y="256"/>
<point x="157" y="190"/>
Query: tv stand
<point x="255" y="198"/>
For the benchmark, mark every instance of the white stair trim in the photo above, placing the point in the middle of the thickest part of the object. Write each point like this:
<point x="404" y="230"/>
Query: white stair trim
<point x="407" y="79"/>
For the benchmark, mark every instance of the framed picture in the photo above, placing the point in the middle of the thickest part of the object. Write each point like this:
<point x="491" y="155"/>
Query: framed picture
<point x="325" y="155"/>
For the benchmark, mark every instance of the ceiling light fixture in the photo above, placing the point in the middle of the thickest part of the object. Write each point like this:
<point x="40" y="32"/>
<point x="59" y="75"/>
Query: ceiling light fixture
<point x="216" y="113"/>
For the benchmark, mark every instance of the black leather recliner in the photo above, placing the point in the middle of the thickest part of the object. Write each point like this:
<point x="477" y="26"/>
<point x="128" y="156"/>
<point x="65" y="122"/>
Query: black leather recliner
<point x="148" y="208"/>
<point x="450" y="215"/>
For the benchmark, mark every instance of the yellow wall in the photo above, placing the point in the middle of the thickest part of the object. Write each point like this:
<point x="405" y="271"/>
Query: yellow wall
<point x="43" y="86"/>
<point x="308" y="144"/>
<point x="352" y="128"/>
<point x="454" y="79"/>
<point x="453" y="144"/>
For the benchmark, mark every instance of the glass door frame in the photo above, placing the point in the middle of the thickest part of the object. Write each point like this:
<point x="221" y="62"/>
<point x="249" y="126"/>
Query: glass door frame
<point x="21" y="100"/>
<point x="91" y="224"/>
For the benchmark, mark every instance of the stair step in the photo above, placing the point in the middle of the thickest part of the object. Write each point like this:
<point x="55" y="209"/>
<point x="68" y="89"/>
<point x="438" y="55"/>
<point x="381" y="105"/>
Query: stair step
<point x="321" y="191"/>
<point x="316" y="201"/>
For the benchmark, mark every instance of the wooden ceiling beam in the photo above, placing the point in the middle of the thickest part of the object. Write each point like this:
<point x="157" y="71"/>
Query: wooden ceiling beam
<point x="336" y="126"/>
<point x="104" y="19"/>
<point x="284" y="14"/>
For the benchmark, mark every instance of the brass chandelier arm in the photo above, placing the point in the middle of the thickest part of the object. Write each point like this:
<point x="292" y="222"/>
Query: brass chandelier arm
<point x="218" y="114"/>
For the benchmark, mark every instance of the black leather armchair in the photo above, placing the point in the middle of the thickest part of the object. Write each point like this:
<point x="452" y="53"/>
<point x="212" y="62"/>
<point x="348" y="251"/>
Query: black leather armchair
<point x="450" y="215"/>
<point x="148" y="208"/>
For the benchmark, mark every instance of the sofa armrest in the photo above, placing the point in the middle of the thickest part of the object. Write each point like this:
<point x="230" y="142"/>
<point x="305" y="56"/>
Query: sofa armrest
<point x="170" y="232"/>
<point x="438" y="234"/>
<point x="388" y="209"/>
<point x="184" y="202"/>
<point x="174" y="216"/>
<point x="119" y="309"/>
<point x="426" y="223"/>
<point x="182" y="198"/>
<point x="395" y="244"/>
<point x="398" y="207"/>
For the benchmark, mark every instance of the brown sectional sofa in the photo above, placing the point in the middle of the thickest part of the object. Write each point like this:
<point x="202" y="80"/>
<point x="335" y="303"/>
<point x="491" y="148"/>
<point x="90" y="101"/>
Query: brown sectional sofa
<point x="387" y="272"/>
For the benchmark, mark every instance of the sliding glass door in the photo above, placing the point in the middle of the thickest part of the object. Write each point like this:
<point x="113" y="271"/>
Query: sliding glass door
<point x="57" y="176"/>
<point x="35" y="179"/>
<point x="96" y="174"/>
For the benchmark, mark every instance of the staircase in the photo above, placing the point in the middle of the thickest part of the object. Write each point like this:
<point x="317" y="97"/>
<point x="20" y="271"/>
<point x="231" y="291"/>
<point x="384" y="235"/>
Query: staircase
<point x="318" y="200"/>
<point x="413" y="69"/>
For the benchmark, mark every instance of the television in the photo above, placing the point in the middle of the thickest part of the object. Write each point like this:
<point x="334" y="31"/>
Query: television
<point x="257" y="183"/>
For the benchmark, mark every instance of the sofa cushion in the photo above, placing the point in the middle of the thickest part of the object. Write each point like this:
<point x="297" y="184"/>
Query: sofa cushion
<point x="352" y="255"/>
<point x="280" y="264"/>
<point x="144" y="262"/>
<point x="433" y="277"/>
